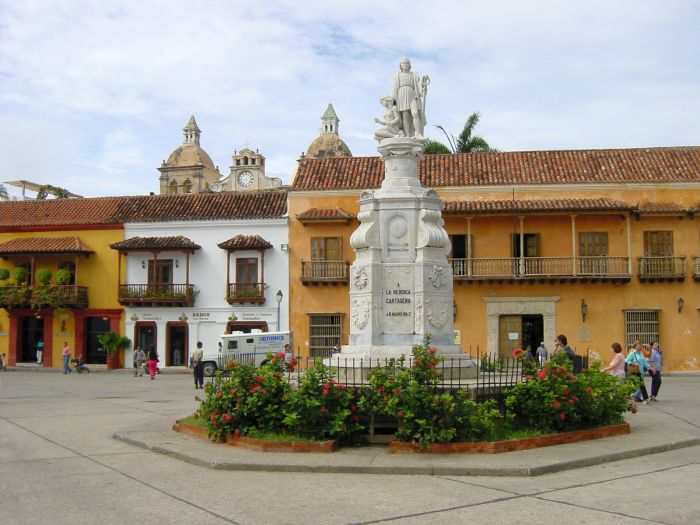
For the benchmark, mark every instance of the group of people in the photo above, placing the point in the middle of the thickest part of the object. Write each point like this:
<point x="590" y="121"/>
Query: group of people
<point x="143" y="359"/>
<point x="640" y="360"/>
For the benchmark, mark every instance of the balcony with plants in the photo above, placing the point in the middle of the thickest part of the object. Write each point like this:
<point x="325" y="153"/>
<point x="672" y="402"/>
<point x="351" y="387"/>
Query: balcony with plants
<point x="241" y="293"/>
<point x="42" y="293"/>
<point x="167" y="294"/>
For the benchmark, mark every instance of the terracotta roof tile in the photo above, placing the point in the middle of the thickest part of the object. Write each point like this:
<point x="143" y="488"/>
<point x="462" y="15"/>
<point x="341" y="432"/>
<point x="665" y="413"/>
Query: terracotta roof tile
<point x="661" y="208"/>
<point x="325" y="215"/>
<point x="144" y="208"/>
<point x="45" y="245"/>
<point x="245" y="242"/>
<point x="532" y="206"/>
<point x="155" y="243"/>
<point x="640" y="165"/>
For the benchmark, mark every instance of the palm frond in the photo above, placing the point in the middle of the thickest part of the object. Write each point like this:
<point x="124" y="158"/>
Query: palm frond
<point x="450" y="139"/>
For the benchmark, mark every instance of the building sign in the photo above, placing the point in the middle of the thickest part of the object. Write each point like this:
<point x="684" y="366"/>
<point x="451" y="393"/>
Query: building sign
<point x="200" y="316"/>
<point x="398" y="300"/>
<point x="150" y="317"/>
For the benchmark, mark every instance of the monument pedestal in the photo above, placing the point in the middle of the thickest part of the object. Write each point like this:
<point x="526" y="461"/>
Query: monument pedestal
<point x="401" y="281"/>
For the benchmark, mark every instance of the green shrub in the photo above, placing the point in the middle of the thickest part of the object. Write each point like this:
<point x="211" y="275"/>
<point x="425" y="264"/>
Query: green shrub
<point x="19" y="274"/>
<point x="553" y="399"/>
<point x="321" y="408"/>
<point x="63" y="277"/>
<point x="424" y="413"/>
<point x="4" y="274"/>
<point x="43" y="276"/>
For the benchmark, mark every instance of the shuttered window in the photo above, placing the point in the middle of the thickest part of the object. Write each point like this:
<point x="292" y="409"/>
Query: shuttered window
<point x="641" y="325"/>
<point x="325" y="332"/>
<point x="327" y="249"/>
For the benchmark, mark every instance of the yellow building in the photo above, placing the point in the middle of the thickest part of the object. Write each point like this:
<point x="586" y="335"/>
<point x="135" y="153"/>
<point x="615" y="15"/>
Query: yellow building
<point x="69" y="238"/>
<point x="601" y="245"/>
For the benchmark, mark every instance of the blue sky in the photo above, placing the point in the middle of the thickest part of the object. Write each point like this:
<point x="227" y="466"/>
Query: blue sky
<point x="93" y="97"/>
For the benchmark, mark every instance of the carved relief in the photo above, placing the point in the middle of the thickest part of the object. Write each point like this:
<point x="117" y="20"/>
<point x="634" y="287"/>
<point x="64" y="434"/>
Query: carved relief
<point x="437" y="276"/>
<point x="360" y="312"/>
<point x="431" y="234"/>
<point x="367" y="234"/>
<point x="359" y="278"/>
<point x="437" y="311"/>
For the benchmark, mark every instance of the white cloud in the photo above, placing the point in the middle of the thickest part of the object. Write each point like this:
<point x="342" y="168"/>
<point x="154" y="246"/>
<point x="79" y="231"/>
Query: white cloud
<point x="113" y="85"/>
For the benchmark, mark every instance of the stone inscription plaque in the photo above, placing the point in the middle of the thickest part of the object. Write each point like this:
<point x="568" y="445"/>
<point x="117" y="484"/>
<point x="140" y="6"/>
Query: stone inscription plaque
<point x="398" y="300"/>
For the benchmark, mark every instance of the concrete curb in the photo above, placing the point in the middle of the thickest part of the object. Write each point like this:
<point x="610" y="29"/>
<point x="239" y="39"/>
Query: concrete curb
<point x="274" y="462"/>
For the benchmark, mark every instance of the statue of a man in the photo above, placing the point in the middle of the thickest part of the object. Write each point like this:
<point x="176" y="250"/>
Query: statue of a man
<point x="409" y="94"/>
<point x="391" y="125"/>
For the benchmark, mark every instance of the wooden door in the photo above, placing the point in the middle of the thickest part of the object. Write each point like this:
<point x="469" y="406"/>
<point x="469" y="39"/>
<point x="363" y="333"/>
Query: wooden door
<point x="507" y="326"/>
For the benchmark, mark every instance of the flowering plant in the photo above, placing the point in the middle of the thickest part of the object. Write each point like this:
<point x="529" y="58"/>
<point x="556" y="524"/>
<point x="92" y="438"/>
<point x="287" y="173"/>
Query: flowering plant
<point x="425" y="414"/>
<point x="322" y="408"/>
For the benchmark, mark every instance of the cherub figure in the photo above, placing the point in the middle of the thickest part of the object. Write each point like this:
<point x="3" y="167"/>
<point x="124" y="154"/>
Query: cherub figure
<point x="391" y="125"/>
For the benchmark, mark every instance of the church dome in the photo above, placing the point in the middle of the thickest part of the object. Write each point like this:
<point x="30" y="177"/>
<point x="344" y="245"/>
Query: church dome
<point x="189" y="155"/>
<point x="328" y="145"/>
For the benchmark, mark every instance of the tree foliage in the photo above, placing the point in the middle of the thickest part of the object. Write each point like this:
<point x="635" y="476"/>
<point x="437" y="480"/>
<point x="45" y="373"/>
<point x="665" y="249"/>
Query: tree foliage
<point x="465" y="142"/>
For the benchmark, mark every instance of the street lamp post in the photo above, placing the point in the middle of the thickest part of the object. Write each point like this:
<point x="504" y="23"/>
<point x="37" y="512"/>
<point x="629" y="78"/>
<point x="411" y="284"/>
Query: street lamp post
<point x="279" y="296"/>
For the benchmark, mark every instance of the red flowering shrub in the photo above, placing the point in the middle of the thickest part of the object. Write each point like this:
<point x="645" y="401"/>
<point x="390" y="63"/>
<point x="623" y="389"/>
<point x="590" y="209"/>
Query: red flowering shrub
<point x="554" y="399"/>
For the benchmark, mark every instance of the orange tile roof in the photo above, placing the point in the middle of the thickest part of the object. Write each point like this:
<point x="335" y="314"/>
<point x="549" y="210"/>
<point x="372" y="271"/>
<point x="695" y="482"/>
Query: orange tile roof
<point x="245" y="242"/>
<point x="325" y="215"/>
<point x="44" y="245"/>
<point x="177" y="242"/>
<point x="144" y="208"/>
<point x="661" y="208"/>
<point x="608" y="166"/>
<point x="533" y="206"/>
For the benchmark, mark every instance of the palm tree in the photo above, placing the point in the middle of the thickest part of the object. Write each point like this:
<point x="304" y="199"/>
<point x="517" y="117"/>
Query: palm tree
<point x="465" y="143"/>
<point x="4" y="196"/>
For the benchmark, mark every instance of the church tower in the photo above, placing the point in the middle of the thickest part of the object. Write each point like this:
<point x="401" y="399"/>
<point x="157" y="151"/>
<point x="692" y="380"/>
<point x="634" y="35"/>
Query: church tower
<point x="329" y="143"/>
<point x="189" y="169"/>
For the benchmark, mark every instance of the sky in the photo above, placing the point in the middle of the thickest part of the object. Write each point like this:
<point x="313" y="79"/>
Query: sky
<point x="94" y="95"/>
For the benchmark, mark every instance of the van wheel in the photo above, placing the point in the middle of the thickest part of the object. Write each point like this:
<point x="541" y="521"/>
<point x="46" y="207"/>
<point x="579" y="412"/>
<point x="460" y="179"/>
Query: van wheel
<point x="208" y="368"/>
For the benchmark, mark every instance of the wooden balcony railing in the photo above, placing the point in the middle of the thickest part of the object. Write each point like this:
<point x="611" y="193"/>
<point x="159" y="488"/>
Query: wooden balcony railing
<point x="333" y="272"/>
<point x="506" y="268"/>
<point x="696" y="269"/>
<point x="50" y="296"/>
<point x="157" y="294"/>
<point x="671" y="268"/>
<point x="239" y="293"/>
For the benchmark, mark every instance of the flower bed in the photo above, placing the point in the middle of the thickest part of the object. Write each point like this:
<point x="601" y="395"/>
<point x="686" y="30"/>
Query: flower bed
<point x="266" y="445"/>
<point x="510" y="445"/>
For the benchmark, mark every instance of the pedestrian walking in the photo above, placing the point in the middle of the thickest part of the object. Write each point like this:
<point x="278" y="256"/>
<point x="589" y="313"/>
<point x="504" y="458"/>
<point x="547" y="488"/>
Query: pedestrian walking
<point x="288" y="354"/>
<point x="40" y="351"/>
<point x="152" y="362"/>
<point x="139" y="358"/>
<point x="66" y="358"/>
<point x="617" y="365"/>
<point x="655" y="371"/>
<point x="637" y="365"/>
<point x="561" y="345"/>
<point x="198" y="366"/>
<point x="3" y="362"/>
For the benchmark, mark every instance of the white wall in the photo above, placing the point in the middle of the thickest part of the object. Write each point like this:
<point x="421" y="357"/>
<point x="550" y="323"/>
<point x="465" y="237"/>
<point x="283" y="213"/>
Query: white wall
<point x="208" y="318"/>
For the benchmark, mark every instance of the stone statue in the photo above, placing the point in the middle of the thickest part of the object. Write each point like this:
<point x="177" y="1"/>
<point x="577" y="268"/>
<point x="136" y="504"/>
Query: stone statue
<point x="391" y="125"/>
<point x="409" y="94"/>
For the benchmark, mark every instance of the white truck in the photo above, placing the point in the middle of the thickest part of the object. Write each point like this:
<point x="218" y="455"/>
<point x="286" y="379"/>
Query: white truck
<point x="245" y="348"/>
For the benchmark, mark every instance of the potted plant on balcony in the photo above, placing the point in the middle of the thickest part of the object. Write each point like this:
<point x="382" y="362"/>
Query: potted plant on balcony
<point x="4" y="276"/>
<point x="112" y="342"/>
<point x="42" y="294"/>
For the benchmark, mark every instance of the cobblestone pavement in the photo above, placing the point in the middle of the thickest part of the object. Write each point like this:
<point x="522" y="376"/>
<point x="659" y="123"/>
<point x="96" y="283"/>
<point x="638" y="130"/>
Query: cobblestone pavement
<point x="60" y="465"/>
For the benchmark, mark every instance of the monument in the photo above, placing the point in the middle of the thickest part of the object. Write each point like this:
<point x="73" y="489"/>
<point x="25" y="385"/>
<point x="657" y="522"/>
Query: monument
<point x="401" y="281"/>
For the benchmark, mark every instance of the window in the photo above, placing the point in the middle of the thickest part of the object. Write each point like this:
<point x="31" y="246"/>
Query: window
<point x="246" y="277"/>
<point x="187" y="186"/>
<point x="531" y="245"/>
<point x="161" y="272"/>
<point x="658" y="244"/>
<point x="325" y="332"/>
<point x="641" y="325"/>
<point x="70" y="268"/>
<point x="172" y="189"/>
<point x="29" y="279"/>
<point x="327" y="249"/>
<point x="459" y="246"/>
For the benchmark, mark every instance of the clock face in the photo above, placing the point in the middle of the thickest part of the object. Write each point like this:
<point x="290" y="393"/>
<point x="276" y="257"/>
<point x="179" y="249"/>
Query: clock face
<point x="245" y="179"/>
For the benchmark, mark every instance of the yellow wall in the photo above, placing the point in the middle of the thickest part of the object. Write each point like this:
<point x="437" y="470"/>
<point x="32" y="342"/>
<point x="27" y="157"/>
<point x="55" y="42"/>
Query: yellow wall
<point x="680" y="332"/>
<point x="99" y="272"/>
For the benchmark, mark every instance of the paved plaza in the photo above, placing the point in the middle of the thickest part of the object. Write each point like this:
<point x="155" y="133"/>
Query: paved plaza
<point x="62" y="464"/>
